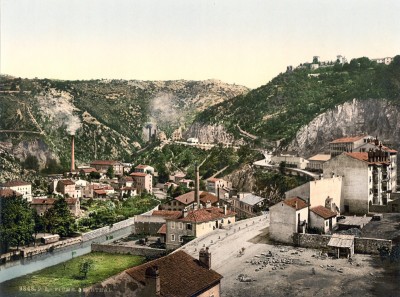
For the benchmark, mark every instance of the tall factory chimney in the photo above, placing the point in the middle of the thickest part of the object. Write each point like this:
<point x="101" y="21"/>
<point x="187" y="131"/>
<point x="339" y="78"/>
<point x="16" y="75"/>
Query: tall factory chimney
<point x="196" y="185"/>
<point x="72" y="152"/>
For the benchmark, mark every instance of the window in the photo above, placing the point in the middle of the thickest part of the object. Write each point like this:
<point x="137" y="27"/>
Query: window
<point x="180" y="225"/>
<point x="172" y="237"/>
<point x="172" y="225"/>
<point x="326" y="223"/>
<point x="180" y="238"/>
<point x="189" y="226"/>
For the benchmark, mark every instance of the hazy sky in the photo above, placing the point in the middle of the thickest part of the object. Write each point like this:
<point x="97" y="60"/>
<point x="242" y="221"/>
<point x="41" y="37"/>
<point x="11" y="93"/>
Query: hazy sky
<point x="245" y="42"/>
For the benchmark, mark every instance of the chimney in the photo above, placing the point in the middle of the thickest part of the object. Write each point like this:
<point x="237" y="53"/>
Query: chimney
<point x="185" y="212"/>
<point x="152" y="276"/>
<point x="225" y="210"/>
<point x="196" y="184"/>
<point x="208" y="204"/>
<point x="72" y="153"/>
<point x="205" y="257"/>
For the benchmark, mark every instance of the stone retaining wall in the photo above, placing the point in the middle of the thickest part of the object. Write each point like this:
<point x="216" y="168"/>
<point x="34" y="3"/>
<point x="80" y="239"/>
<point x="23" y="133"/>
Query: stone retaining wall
<point x="105" y="230"/>
<point x="119" y="249"/>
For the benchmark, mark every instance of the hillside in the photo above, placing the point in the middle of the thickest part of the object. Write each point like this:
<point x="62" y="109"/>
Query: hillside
<point x="109" y="117"/>
<point x="279" y="109"/>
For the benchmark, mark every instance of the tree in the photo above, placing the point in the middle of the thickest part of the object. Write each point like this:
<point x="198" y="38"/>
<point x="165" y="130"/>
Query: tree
<point x="110" y="172"/>
<point x="85" y="266"/>
<point x="31" y="162"/>
<point x="59" y="219"/>
<point x="17" y="224"/>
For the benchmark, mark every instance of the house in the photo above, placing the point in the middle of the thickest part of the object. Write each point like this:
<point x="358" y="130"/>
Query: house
<point x="126" y="181"/>
<point x="42" y="205"/>
<point x="144" y="169"/>
<point x="247" y="205"/>
<point x="188" y="183"/>
<point x="177" y="177"/>
<point x="21" y="187"/>
<point x="167" y="185"/>
<point x="287" y="217"/>
<point x="290" y="159"/>
<point x="346" y="144"/>
<point x="322" y="219"/>
<point x="87" y="171"/>
<point x="192" y="140"/>
<point x="68" y="188"/>
<point x="142" y="182"/>
<point x="188" y="201"/>
<point x="195" y="223"/>
<point x="151" y="223"/>
<point x="325" y="191"/>
<point x="316" y="162"/>
<point x="214" y="185"/>
<point x="386" y="60"/>
<point x="103" y="166"/>
<point x="177" y="274"/>
<point x="366" y="179"/>
<point x="7" y="193"/>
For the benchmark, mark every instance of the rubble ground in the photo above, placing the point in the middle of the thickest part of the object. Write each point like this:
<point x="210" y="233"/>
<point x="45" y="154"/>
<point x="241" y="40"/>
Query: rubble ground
<point x="252" y="265"/>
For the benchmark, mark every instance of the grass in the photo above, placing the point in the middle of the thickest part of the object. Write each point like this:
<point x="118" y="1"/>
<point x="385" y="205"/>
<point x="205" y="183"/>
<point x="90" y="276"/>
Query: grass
<point x="64" y="279"/>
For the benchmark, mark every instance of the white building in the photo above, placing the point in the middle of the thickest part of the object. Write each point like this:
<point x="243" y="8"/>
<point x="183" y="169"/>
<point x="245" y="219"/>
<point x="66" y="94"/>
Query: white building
<point x="322" y="219"/>
<point x="386" y="60"/>
<point x="316" y="162"/>
<point x="19" y="186"/>
<point x="290" y="160"/>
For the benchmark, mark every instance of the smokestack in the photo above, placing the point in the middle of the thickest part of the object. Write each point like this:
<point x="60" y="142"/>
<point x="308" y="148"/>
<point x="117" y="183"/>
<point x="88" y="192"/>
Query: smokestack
<point x="196" y="184"/>
<point x="72" y="153"/>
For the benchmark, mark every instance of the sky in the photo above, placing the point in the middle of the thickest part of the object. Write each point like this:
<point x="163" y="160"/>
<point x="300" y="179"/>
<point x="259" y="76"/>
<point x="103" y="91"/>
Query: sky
<point x="246" y="42"/>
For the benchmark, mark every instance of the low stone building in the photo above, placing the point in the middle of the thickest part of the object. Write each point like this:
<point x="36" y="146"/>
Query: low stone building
<point x="322" y="219"/>
<point x="42" y="205"/>
<point x="315" y="163"/>
<point x="247" y="205"/>
<point x="102" y="166"/>
<point x="188" y="201"/>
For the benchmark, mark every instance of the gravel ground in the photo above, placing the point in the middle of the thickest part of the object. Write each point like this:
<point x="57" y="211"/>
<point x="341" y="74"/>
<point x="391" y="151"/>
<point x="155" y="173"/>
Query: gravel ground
<point x="252" y="265"/>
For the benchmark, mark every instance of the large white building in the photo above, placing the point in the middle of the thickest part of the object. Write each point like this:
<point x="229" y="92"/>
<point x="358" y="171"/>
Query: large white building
<point x="21" y="187"/>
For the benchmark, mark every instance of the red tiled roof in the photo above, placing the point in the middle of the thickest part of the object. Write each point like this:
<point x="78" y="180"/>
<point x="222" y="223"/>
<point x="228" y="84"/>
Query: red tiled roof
<point x="206" y="214"/>
<point x="100" y="192"/>
<point x="180" y="275"/>
<point x="141" y="174"/>
<point x="7" y="193"/>
<point x="127" y="188"/>
<point x="363" y="156"/>
<point x="88" y="170"/>
<point x="140" y="166"/>
<point x="296" y="202"/>
<point x="348" y="139"/>
<point x="103" y="162"/>
<point x="170" y="214"/>
<point x="15" y="183"/>
<point x="323" y="212"/>
<point x="66" y="182"/>
<point x="163" y="229"/>
<point x="188" y="198"/>
<point x="213" y="179"/>
<point x="126" y="178"/>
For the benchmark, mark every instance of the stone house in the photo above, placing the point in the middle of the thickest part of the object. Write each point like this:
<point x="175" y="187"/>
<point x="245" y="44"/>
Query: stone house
<point x="188" y="201"/>
<point x="247" y="205"/>
<point x="214" y="185"/>
<point x="323" y="219"/>
<point x="315" y="163"/>
<point x="142" y="182"/>
<point x="346" y="144"/>
<point x="144" y="169"/>
<point x="287" y="217"/>
<point x="19" y="186"/>
<point x="42" y="205"/>
<point x="177" y="274"/>
<point x="102" y="166"/>
<point x="68" y="188"/>
<point x="7" y="193"/>
<point x="196" y="223"/>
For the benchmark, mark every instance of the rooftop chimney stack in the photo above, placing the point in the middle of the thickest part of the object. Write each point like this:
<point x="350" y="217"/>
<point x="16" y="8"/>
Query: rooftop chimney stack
<point x="152" y="276"/>
<point x="225" y="210"/>
<point x="205" y="257"/>
<point x="72" y="153"/>
<point x="196" y="184"/>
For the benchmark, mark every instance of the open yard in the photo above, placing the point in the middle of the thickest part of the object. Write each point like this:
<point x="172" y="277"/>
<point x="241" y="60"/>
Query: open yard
<point x="65" y="279"/>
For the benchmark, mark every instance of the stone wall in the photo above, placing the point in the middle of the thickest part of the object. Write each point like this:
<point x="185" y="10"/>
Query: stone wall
<point x="136" y="250"/>
<point x="361" y="245"/>
<point x="105" y="230"/>
<point x="148" y="224"/>
<point x="379" y="208"/>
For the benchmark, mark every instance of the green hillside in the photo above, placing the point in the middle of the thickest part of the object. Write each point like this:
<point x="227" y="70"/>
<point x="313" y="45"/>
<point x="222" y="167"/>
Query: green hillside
<point x="278" y="109"/>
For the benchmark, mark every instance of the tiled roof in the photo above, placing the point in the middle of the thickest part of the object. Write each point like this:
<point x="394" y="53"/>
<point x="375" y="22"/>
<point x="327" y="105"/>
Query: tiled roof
<point x="348" y="139"/>
<point x="323" y="212"/>
<point x="100" y="192"/>
<point x="15" y="183"/>
<point x="320" y="157"/>
<point x="126" y="178"/>
<point x="6" y="193"/>
<point x="66" y="182"/>
<point x="296" y="202"/>
<point x="206" y="215"/>
<point x="163" y="229"/>
<point x="137" y="174"/>
<point x="180" y="275"/>
<point x="213" y="179"/>
<point x="341" y="241"/>
<point x="363" y="156"/>
<point x="140" y="166"/>
<point x="127" y="188"/>
<point x="188" y="198"/>
<point x="251" y="199"/>
<point x="170" y="214"/>
<point x="88" y="170"/>
<point x="103" y="162"/>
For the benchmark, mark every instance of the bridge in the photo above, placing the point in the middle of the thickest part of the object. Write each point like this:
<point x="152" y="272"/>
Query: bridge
<point x="295" y="171"/>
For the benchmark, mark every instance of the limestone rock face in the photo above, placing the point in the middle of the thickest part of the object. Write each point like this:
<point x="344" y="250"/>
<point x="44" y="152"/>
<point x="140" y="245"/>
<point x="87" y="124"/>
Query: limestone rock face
<point x="37" y="148"/>
<point x="373" y="117"/>
<point x="210" y="134"/>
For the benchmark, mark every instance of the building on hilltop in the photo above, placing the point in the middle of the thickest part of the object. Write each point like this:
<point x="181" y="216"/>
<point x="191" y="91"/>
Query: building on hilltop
<point x="386" y="60"/>
<point x="19" y="186"/>
<point x="177" y="274"/>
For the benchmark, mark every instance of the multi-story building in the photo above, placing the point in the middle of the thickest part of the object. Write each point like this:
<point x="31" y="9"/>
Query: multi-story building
<point x="316" y="162"/>
<point x="196" y="223"/>
<point x="144" y="169"/>
<point x="290" y="159"/>
<point x="215" y="185"/>
<point x="188" y="201"/>
<point x="102" y="166"/>
<point x="386" y="60"/>
<point x="68" y="188"/>
<point x="42" y="205"/>
<point x="247" y="205"/>
<point x="142" y="182"/>
<point x="21" y="187"/>
<point x="346" y="144"/>
<point x="366" y="179"/>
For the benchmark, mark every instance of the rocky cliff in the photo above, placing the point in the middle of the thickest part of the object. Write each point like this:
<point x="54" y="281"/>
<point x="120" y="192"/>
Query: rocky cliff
<point x="210" y="134"/>
<point x="379" y="118"/>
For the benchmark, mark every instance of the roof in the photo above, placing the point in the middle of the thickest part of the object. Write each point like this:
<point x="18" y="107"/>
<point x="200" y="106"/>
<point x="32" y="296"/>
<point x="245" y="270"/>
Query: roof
<point x="180" y="174"/>
<point x="348" y="139"/>
<point x="103" y="162"/>
<point x="15" y="183"/>
<point x="206" y="215"/>
<point x="170" y="214"/>
<point x="320" y="157"/>
<point x="127" y="188"/>
<point x="251" y="199"/>
<point x="213" y="179"/>
<point x="363" y="156"/>
<point x="100" y="192"/>
<point x="138" y="174"/>
<point x="163" y="229"/>
<point x="180" y="275"/>
<point x="6" y="193"/>
<point x="323" y="212"/>
<point x="296" y="203"/>
<point x="188" y="198"/>
<point x="88" y="170"/>
<point x="341" y="241"/>
<point x="66" y="182"/>
<point x="140" y="166"/>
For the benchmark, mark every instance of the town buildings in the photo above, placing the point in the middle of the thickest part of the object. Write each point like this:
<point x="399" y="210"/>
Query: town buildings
<point x="346" y="144"/>
<point x="187" y="201"/>
<point x="247" y="205"/>
<point x="143" y="182"/>
<point x="42" y="205"/>
<point x="19" y="186"/>
<point x="102" y="166"/>
<point x="316" y="162"/>
<point x="322" y="219"/>
<point x="290" y="160"/>
<point x="216" y="185"/>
